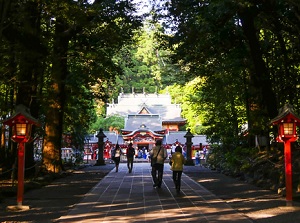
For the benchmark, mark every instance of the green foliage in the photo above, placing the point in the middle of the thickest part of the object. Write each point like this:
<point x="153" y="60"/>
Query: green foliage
<point x="79" y="115"/>
<point x="264" y="169"/>
<point x="57" y="58"/>
<point x="110" y="123"/>
<point x="234" y="161"/>
<point x="242" y="52"/>
<point x="144" y="64"/>
<point x="192" y="107"/>
<point x="188" y="96"/>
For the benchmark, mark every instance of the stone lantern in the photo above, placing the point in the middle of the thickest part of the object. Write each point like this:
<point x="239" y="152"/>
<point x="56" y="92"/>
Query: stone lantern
<point x="189" y="143"/>
<point x="100" y="136"/>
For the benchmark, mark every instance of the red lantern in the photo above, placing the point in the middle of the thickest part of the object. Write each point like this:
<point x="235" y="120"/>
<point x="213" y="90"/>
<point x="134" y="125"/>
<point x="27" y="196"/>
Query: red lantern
<point x="287" y="121"/>
<point x="21" y="123"/>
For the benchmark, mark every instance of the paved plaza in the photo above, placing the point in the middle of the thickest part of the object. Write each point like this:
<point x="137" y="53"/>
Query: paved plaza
<point x="130" y="197"/>
<point x="99" y="194"/>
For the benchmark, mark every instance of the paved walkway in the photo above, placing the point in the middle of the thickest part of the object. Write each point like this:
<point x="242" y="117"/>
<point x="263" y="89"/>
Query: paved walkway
<point x="130" y="197"/>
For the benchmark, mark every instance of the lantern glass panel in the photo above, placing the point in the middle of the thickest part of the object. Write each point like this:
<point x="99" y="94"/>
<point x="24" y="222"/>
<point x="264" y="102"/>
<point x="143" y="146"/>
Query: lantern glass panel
<point x="21" y="129"/>
<point x="288" y="128"/>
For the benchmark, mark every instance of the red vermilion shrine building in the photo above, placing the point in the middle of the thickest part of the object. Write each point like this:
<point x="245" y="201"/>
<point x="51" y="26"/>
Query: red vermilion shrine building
<point x="148" y="117"/>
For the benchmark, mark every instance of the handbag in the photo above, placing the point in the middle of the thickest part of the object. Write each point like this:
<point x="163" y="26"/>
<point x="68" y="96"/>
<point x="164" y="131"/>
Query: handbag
<point x="154" y="158"/>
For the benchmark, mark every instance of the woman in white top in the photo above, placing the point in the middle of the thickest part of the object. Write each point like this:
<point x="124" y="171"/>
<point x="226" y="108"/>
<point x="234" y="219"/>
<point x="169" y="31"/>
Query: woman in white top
<point x="117" y="156"/>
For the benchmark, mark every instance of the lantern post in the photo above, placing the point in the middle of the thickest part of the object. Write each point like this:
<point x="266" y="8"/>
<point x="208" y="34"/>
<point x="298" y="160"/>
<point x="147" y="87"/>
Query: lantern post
<point x="88" y="150"/>
<point x="21" y="123"/>
<point x="287" y="121"/>
<point x="189" y="143"/>
<point x="100" y="136"/>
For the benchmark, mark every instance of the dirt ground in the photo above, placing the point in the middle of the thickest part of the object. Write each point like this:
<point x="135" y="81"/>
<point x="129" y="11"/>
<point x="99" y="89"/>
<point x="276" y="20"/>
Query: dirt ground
<point x="46" y="205"/>
<point x="259" y="205"/>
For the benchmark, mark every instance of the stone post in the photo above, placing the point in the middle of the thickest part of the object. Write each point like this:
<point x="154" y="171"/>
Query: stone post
<point x="189" y="136"/>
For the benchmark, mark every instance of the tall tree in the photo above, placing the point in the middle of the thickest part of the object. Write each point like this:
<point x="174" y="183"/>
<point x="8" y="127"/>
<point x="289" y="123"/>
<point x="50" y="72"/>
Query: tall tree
<point x="109" y="24"/>
<point x="20" y="34"/>
<point x="231" y="38"/>
<point x="61" y="54"/>
<point x="145" y="65"/>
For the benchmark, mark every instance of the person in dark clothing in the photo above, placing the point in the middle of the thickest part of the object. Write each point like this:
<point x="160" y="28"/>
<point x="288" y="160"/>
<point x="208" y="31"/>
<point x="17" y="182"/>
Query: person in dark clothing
<point x="116" y="156"/>
<point x="130" y="155"/>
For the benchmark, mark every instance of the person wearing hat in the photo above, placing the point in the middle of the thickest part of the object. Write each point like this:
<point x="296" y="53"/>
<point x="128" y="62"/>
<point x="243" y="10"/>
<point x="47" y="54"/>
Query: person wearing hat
<point x="130" y="153"/>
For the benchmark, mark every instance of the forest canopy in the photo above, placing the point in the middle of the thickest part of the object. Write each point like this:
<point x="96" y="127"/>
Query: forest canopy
<point x="230" y="64"/>
<point x="57" y="59"/>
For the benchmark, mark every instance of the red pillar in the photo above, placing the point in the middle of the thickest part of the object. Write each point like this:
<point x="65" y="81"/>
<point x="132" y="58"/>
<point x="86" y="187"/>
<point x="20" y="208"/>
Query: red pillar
<point x="288" y="170"/>
<point x="21" y="160"/>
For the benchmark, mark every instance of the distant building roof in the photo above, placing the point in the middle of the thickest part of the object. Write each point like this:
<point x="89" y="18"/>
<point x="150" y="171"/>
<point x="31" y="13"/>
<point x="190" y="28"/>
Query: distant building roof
<point x="152" y="122"/>
<point x="172" y="137"/>
<point x="149" y="112"/>
<point x="113" y="137"/>
<point x="153" y="104"/>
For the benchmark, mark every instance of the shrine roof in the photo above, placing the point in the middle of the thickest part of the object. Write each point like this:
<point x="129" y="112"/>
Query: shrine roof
<point x="146" y="103"/>
<point x="171" y="138"/>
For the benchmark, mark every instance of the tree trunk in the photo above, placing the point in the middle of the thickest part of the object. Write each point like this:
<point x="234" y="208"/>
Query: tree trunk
<point x="260" y="76"/>
<point x="30" y="68"/>
<point x="54" y="114"/>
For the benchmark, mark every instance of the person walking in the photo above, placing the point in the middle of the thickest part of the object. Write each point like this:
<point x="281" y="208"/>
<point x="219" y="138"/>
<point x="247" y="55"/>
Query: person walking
<point x="158" y="155"/>
<point x="204" y="152"/>
<point x="177" y="162"/>
<point x="130" y="153"/>
<point x="116" y="156"/>
<point x="197" y="157"/>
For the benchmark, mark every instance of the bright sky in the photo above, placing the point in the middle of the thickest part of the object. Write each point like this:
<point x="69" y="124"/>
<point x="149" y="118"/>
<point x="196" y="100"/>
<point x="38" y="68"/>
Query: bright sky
<point x="144" y="6"/>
